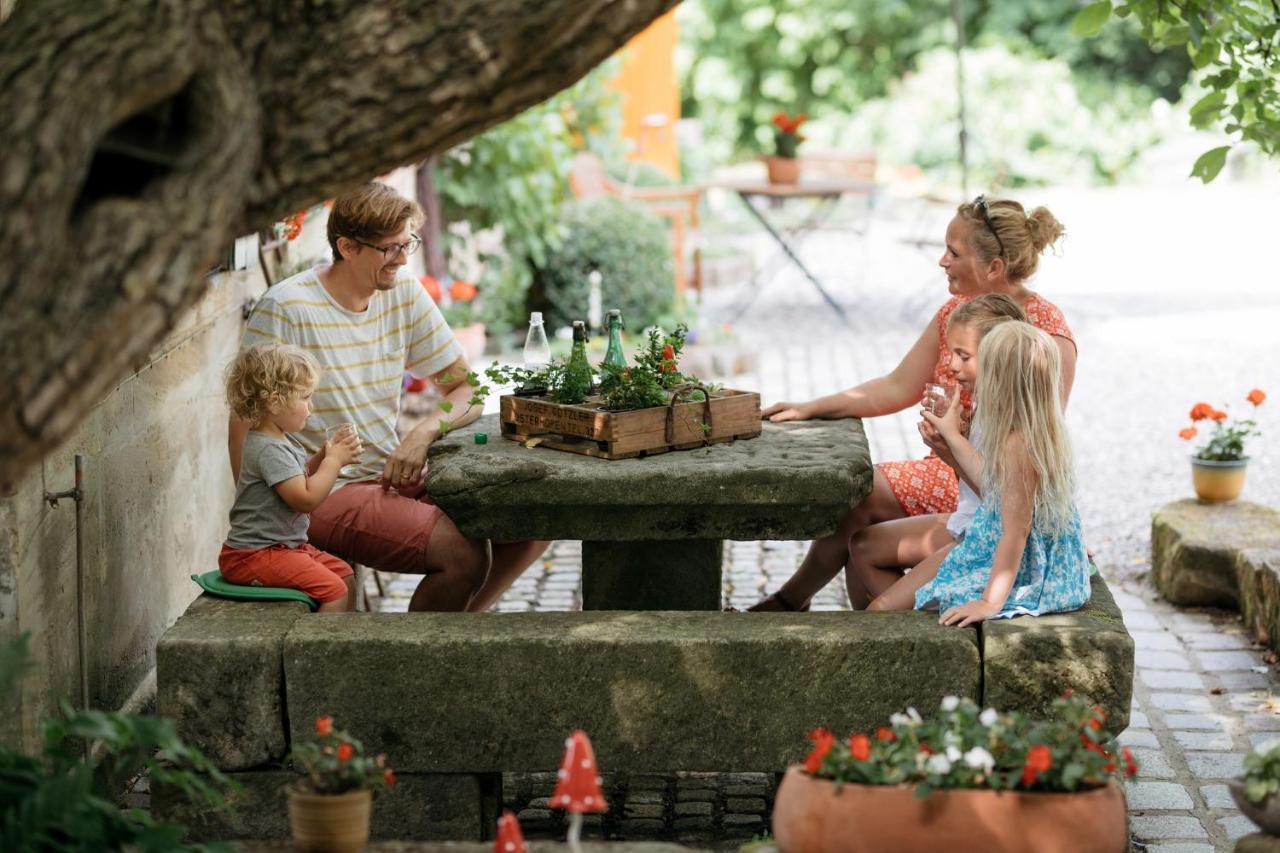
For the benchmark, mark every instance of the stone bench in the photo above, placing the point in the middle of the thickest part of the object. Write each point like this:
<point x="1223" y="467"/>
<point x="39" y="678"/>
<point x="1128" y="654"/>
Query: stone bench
<point x="457" y="699"/>
<point x="1220" y="555"/>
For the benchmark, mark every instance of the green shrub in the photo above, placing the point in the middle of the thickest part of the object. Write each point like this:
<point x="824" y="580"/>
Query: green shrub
<point x="631" y="249"/>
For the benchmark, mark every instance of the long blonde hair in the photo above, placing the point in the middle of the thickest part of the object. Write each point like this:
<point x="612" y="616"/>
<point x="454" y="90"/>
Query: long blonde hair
<point x="1018" y="385"/>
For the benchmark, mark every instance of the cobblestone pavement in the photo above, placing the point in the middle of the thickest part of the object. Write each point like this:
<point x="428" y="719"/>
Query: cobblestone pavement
<point x="1156" y="333"/>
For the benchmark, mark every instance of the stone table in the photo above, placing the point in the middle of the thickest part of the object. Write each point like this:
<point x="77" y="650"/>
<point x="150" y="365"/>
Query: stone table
<point x="652" y="529"/>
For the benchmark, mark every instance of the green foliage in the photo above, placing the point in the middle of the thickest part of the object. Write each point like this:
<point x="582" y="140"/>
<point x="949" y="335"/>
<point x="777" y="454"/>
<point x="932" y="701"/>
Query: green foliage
<point x="660" y="356"/>
<point x="335" y="762"/>
<point x="627" y="389"/>
<point x="627" y="244"/>
<point x="1029" y="127"/>
<point x="963" y="746"/>
<point x="1235" y="47"/>
<point x="513" y="178"/>
<point x="54" y="801"/>
<point x="744" y="60"/>
<point x="1262" y="772"/>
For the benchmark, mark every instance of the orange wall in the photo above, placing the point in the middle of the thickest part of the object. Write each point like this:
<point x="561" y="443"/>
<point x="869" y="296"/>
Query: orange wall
<point x="648" y="86"/>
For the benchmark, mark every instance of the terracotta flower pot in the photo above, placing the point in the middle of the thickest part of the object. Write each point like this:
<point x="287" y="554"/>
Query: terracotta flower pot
<point x="811" y="816"/>
<point x="1216" y="482"/>
<point x="1265" y="814"/>
<point x="472" y="339"/>
<point x="782" y="170"/>
<point x="330" y="823"/>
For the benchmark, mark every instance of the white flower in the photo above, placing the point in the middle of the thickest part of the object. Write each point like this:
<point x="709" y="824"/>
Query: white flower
<point x="913" y="717"/>
<point x="979" y="759"/>
<point x="898" y="720"/>
<point x="953" y="754"/>
<point x="939" y="764"/>
<point x="950" y="738"/>
<point x="950" y="703"/>
<point x="988" y="717"/>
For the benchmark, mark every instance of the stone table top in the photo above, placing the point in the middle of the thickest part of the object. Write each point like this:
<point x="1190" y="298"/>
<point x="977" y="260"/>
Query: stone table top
<point x="794" y="481"/>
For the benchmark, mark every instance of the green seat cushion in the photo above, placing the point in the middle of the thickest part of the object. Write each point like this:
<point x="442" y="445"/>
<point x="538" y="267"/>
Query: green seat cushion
<point x="215" y="584"/>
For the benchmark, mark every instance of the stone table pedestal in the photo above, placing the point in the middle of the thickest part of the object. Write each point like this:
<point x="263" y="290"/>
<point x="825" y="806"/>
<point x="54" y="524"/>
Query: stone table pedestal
<point x="652" y="529"/>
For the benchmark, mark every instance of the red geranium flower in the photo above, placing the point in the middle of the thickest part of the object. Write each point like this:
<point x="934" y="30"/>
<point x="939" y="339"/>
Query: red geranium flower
<point x="432" y="286"/>
<point x="345" y="751"/>
<point x="885" y="735"/>
<point x="822" y="742"/>
<point x="389" y="776"/>
<point x="1130" y="763"/>
<point x="1201" y="411"/>
<point x="324" y="726"/>
<point x="1256" y="396"/>
<point x="860" y="747"/>
<point x="1039" y="759"/>
<point x="1188" y="433"/>
<point x="1218" y="415"/>
<point x="462" y="291"/>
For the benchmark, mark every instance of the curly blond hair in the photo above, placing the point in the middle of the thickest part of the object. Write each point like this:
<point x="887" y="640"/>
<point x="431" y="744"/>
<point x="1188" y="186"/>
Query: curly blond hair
<point x="264" y="375"/>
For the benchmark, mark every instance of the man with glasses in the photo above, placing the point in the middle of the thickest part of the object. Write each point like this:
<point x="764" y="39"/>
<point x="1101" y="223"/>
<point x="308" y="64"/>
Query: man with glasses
<point x="366" y="323"/>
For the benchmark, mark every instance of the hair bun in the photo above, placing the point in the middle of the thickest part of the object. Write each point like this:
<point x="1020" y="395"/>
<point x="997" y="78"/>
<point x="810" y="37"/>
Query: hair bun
<point x="1044" y="228"/>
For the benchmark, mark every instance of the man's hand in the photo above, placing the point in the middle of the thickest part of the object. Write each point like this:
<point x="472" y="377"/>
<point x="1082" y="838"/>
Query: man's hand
<point x="969" y="613"/>
<point x="406" y="463"/>
<point x="780" y="412"/>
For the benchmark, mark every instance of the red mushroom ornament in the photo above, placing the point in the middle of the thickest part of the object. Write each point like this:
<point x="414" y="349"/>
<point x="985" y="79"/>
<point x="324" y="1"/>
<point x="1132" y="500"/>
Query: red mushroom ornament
<point x="578" y="785"/>
<point x="510" y="839"/>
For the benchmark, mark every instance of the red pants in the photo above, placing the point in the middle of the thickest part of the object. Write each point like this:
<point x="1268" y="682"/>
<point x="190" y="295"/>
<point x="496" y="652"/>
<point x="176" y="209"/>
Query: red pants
<point x="373" y="527"/>
<point x="305" y="568"/>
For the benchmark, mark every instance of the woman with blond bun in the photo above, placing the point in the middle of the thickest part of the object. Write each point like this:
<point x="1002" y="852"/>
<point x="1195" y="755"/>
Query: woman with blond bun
<point x="992" y="246"/>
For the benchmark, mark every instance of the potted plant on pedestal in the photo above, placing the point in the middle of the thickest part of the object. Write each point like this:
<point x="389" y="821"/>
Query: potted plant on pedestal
<point x="784" y="167"/>
<point x="1218" y="467"/>
<point x="966" y="780"/>
<point x="329" y="808"/>
<point x="1256" y="793"/>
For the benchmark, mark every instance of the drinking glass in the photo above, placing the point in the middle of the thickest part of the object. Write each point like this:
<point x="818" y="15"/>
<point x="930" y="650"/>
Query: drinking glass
<point x="337" y="431"/>
<point x="936" y="398"/>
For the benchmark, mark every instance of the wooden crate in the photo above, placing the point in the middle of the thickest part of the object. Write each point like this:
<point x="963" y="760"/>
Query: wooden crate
<point x="586" y="428"/>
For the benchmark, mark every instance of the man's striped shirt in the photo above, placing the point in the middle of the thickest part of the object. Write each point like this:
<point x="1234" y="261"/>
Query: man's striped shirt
<point x="362" y="355"/>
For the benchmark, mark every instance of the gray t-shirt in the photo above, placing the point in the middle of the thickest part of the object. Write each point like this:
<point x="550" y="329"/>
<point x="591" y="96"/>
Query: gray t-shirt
<point x="260" y="518"/>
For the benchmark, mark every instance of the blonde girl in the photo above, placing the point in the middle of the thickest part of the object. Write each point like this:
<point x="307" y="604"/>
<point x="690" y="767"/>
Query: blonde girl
<point x="878" y="554"/>
<point x="270" y="386"/>
<point x="1023" y="552"/>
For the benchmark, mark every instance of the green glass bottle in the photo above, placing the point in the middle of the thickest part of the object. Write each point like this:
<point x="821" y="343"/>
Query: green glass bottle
<point x="613" y="356"/>
<point x="577" y="373"/>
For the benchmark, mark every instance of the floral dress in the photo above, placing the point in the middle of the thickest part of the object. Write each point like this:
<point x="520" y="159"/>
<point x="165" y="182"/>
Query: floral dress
<point x="927" y="486"/>
<point x="1053" y="576"/>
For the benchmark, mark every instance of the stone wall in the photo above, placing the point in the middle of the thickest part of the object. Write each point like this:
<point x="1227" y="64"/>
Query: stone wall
<point x="157" y="489"/>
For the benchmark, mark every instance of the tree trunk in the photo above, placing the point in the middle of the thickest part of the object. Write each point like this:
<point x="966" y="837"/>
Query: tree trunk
<point x="141" y="138"/>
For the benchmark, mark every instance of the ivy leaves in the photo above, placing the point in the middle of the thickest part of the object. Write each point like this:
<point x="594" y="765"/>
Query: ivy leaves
<point x="1237" y="46"/>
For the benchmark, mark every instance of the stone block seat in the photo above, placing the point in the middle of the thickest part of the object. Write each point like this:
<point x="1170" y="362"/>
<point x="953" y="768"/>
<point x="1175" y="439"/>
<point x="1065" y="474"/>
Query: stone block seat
<point x="1221" y="555"/>
<point x="456" y="699"/>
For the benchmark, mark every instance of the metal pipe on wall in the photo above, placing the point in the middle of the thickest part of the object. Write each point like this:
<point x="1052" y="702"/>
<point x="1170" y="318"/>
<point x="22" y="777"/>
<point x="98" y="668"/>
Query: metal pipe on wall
<point x="82" y="638"/>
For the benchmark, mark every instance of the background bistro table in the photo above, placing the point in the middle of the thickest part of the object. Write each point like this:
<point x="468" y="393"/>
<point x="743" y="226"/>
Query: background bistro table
<point x="652" y="529"/>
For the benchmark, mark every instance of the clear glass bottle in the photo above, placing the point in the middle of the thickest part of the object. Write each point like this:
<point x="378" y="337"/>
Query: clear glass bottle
<point x="614" y="356"/>
<point x="537" y="352"/>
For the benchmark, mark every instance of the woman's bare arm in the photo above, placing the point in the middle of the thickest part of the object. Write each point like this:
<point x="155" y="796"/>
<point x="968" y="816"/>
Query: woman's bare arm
<point x="901" y="387"/>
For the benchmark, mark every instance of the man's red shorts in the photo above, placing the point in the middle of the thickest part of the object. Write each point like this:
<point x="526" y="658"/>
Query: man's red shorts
<point x="380" y="529"/>
<point x="306" y="568"/>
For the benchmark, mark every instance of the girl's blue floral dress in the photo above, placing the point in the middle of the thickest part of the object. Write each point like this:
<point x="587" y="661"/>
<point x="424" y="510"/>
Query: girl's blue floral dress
<point x="1053" y="577"/>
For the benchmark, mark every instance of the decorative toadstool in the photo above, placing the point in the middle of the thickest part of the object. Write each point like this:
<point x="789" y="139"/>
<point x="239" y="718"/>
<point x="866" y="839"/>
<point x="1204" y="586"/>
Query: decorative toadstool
<point x="578" y="785"/>
<point x="510" y="839"/>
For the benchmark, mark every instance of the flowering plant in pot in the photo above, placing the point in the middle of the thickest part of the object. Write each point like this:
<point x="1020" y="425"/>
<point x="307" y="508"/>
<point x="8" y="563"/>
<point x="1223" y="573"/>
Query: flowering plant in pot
<point x="329" y="807"/>
<point x="1218" y="466"/>
<point x="783" y="166"/>
<point x="981" y="780"/>
<point x="1255" y="794"/>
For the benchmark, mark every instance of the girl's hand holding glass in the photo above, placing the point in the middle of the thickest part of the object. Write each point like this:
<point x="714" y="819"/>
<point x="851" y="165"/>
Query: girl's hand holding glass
<point x="944" y="416"/>
<point x="344" y="444"/>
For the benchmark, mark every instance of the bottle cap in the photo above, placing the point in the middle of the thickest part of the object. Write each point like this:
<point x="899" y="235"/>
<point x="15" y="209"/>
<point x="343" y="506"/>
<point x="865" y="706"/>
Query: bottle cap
<point x="482" y="438"/>
<point x="535" y="317"/>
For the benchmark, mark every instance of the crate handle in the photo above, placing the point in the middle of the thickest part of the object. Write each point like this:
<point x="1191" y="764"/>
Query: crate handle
<point x="669" y="433"/>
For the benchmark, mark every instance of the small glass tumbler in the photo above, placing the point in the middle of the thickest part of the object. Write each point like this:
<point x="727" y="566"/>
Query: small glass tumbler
<point x="936" y="398"/>
<point x="337" y="431"/>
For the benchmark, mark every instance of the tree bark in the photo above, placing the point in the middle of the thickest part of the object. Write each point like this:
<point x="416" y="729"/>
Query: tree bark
<point x="142" y="137"/>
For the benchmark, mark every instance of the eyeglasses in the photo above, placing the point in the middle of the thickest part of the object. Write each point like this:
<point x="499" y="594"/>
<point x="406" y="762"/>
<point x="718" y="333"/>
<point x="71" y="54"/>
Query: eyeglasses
<point x="393" y="250"/>
<point x="981" y="203"/>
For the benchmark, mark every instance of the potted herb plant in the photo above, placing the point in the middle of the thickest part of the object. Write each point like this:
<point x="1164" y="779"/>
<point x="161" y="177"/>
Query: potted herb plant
<point x="966" y="779"/>
<point x="1218" y="467"/>
<point x="1255" y="794"/>
<point x="784" y="167"/>
<point x="329" y="808"/>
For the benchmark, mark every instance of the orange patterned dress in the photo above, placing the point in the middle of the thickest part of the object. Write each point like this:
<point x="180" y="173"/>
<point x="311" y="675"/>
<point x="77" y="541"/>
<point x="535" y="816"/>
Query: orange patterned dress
<point x="926" y="486"/>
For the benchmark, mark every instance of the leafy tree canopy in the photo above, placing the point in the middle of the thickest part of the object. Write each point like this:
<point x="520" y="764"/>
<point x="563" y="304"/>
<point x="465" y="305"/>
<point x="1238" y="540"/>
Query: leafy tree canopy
<point x="1233" y="44"/>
